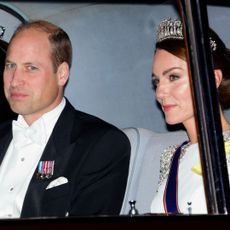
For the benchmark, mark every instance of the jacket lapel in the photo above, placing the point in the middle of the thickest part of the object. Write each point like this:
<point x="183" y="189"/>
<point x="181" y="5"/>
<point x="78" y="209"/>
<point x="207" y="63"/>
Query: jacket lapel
<point x="60" y="142"/>
<point x="5" y="139"/>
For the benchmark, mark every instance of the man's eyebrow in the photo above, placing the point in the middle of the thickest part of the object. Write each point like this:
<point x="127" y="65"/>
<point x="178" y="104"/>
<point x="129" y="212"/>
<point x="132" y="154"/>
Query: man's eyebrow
<point x="7" y="61"/>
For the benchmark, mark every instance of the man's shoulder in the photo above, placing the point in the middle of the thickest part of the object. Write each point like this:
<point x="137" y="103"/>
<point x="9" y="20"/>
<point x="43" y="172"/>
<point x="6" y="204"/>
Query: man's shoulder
<point x="95" y="123"/>
<point x="6" y="125"/>
<point x="84" y="118"/>
<point x="90" y="125"/>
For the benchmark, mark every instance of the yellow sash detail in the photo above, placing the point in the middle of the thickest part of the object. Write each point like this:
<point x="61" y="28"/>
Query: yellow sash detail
<point x="197" y="168"/>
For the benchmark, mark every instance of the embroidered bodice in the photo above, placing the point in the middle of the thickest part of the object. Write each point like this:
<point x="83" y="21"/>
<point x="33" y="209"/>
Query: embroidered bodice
<point x="190" y="182"/>
<point x="166" y="157"/>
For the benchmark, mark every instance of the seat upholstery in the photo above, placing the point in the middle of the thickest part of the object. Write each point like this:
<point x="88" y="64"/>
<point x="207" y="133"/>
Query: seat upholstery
<point x="146" y="148"/>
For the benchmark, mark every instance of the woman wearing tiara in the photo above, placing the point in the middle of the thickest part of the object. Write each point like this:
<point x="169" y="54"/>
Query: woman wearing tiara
<point x="173" y="92"/>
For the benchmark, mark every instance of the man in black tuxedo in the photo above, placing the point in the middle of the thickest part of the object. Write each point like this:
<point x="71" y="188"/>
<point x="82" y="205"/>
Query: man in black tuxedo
<point x="55" y="160"/>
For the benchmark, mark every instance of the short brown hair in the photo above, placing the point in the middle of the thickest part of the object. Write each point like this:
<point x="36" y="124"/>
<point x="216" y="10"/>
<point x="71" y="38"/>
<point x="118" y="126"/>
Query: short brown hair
<point x="59" y="40"/>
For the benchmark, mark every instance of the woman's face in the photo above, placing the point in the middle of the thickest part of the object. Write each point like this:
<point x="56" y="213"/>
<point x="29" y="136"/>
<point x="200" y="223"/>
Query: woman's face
<point x="171" y="78"/>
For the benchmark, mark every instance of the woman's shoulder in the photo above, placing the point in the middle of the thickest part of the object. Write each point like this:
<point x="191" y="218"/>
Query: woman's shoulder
<point x="167" y="156"/>
<point x="165" y="161"/>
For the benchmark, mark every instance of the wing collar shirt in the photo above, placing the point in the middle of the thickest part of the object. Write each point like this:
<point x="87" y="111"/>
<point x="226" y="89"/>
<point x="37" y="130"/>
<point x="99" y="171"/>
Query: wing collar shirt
<point x="22" y="158"/>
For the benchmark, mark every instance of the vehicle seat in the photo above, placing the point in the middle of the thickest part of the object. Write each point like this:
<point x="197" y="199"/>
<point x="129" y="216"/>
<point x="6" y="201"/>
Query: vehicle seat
<point x="146" y="148"/>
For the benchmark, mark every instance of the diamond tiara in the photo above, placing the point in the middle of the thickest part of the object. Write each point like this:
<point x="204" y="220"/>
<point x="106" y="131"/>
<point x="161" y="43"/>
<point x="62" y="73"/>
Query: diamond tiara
<point x="173" y="29"/>
<point x="169" y="28"/>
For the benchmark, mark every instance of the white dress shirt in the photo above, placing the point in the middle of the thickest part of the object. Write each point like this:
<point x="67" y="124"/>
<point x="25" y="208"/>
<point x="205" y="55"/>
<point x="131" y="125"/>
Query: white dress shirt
<point x="22" y="158"/>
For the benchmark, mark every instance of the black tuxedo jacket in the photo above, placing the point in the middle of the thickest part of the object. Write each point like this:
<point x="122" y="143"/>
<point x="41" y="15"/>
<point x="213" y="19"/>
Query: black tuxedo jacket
<point x="94" y="157"/>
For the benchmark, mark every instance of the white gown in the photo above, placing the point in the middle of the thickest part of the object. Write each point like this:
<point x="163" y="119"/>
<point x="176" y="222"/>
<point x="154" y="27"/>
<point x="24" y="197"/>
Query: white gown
<point x="191" y="195"/>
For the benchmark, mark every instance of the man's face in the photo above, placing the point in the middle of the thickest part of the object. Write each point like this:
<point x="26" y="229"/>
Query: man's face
<point x="30" y="84"/>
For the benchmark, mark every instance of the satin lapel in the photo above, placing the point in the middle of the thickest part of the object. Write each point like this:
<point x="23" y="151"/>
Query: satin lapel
<point x="59" y="143"/>
<point x="5" y="139"/>
<point x="33" y="199"/>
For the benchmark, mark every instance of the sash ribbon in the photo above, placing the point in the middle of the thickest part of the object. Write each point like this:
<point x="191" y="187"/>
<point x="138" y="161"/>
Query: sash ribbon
<point x="170" y="193"/>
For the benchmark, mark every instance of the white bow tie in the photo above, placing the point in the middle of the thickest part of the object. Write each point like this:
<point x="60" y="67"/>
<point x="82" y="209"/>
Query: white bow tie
<point x="26" y="135"/>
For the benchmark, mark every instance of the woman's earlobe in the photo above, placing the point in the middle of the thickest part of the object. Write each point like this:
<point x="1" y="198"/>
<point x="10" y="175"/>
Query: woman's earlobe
<point x="218" y="77"/>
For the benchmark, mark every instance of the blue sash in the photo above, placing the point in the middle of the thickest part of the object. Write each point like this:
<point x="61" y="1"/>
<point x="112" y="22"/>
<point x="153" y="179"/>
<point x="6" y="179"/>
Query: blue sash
<point x="170" y="193"/>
